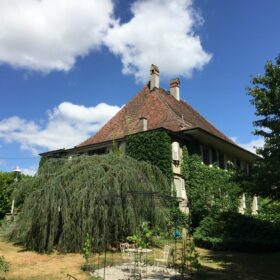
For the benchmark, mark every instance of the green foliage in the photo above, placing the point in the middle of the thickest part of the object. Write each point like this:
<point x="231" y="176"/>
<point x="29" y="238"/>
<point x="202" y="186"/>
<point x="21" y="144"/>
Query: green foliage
<point x="178" y="219"/>
<point x="189" y="257"/>
<point x="269" y="210"/>
<point x="95" y="195"/>
<point x="143" y="237"/>
<point x="236" y="232"/>
<point x="4" y="265"/>
<point x="9" y="185"/>
<point x="87" y="249"/>
<point x="6" y="189"/>
<point x="43" y="160"/>
<point x="209" y="189"/>
<point x="23" y="189"/>
<point x="116" y="149"/>
<point x="153" y="147"/>
<point x="265" y="93"/>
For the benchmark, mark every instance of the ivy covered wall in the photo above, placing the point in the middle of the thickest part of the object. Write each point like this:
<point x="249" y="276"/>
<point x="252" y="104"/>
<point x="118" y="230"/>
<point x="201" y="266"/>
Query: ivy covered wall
<point x="209" y="188"/>
<point x="153" y="147"/>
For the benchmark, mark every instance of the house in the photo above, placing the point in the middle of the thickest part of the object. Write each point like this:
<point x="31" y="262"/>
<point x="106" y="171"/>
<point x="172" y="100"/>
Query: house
<point x="154" y="108"/>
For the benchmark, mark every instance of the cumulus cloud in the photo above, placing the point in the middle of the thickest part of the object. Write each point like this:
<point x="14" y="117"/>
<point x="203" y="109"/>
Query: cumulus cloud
<point x="251" y="145"/>
<point x="49" y="35"/>
<point x="67" y="125"/>
<point x="160" y="32"/>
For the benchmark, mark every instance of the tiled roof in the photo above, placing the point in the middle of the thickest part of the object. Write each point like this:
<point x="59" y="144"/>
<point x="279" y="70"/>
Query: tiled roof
<point x="160" y="109"/>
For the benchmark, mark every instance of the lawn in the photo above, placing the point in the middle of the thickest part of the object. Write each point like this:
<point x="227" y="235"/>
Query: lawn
<point x="30" y="265"/>
<point x="232" y="266"/>
<point x="215" y="265"/>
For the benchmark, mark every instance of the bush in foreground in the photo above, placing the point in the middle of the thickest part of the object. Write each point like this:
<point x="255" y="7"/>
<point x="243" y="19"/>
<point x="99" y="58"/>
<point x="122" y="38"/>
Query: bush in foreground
<point x="236" y="232"/>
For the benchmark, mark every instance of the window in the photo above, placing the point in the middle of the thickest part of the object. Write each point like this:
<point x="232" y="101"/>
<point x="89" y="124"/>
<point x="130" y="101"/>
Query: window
<point x="221" y="161"/>
<point x="175" y="151"/>
<point x="238" y="163"/>
<point x="214" y="155"/>
<point x="206" y="155"/>
<point x="98" y="152"/>
<point x="193" y="147"/>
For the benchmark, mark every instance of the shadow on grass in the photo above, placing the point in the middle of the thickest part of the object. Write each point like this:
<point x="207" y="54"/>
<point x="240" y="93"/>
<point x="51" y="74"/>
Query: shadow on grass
<point x="228" y="265"/>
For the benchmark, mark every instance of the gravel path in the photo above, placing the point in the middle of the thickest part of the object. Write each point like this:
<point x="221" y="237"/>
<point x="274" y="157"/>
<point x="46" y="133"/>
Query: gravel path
<point x="121" y="272"/>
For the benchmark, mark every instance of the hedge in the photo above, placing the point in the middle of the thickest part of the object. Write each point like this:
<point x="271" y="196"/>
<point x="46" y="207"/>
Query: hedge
<point x="235" y="232"/>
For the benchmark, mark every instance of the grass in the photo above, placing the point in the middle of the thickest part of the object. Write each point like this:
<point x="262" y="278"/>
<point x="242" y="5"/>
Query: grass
<point x="215" y="265"/>
<point x="31" y="266"/>
<point x="232" y="266"/>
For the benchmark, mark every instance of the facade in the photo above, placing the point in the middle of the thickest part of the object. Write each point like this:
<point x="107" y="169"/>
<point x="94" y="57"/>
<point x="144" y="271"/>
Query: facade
<point x="154" y="108"/>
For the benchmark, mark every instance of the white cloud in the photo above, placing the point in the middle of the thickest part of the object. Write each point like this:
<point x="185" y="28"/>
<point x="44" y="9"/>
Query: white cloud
<point x="67" y="125"/>
<point x="160" y="32"/>
<point x="50" y="34"/>
<point x="251" y="145"/>
<point x="30" y="171"/>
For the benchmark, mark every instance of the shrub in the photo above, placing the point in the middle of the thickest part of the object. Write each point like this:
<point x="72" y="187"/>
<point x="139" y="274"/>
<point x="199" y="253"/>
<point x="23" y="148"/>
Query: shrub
<point x="143" y="237"/>
<point x="4" y="265"/>
<point x="269" y="211"/>
<point x="87" y="249"/>
<point x="236" y="232"/>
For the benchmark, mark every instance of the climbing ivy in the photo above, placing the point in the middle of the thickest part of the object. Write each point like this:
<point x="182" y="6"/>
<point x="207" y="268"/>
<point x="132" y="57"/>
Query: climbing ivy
<point x="153" y="147"/>
<point x="209" y="188"/>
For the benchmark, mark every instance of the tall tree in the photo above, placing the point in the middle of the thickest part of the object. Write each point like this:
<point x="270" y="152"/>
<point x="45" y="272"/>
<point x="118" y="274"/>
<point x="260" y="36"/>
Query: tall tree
<point x="265" y="93"/>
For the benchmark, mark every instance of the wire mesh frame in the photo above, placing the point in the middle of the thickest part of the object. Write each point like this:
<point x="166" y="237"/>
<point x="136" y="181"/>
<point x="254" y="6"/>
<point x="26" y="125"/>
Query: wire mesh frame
<point x="156" y="197"/>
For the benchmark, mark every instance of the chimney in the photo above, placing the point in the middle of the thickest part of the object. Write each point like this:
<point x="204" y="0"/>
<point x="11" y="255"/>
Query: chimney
<point x="143" y="124"/>
<point x="154" y="81"/>
<point x="175" y="88"/>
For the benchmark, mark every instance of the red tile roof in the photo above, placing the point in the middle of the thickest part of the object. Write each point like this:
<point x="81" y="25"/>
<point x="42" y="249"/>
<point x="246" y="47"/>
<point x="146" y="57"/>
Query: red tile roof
<point x="160" y="109"/>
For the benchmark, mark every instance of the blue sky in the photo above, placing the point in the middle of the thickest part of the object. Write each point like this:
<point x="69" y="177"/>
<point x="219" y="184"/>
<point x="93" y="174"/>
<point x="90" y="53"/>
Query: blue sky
<point x="67" y="66"/>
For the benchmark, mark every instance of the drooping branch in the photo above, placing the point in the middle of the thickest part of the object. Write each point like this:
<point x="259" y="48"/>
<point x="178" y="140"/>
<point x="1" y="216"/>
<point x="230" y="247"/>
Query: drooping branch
<point x="90" y="195"/>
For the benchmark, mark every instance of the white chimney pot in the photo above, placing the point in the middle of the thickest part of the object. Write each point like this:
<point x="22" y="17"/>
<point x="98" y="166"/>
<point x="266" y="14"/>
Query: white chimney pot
<point x="154" y="81"/>
<point x="175" y="88"/>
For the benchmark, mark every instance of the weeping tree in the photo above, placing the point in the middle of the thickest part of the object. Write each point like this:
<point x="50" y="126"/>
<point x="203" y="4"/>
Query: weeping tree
<point x="106" y="197"/>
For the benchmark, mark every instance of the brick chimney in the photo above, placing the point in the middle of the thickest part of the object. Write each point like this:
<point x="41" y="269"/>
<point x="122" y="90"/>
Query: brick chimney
<point x="175" y="88"/>
<point x="154" y="80"/>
